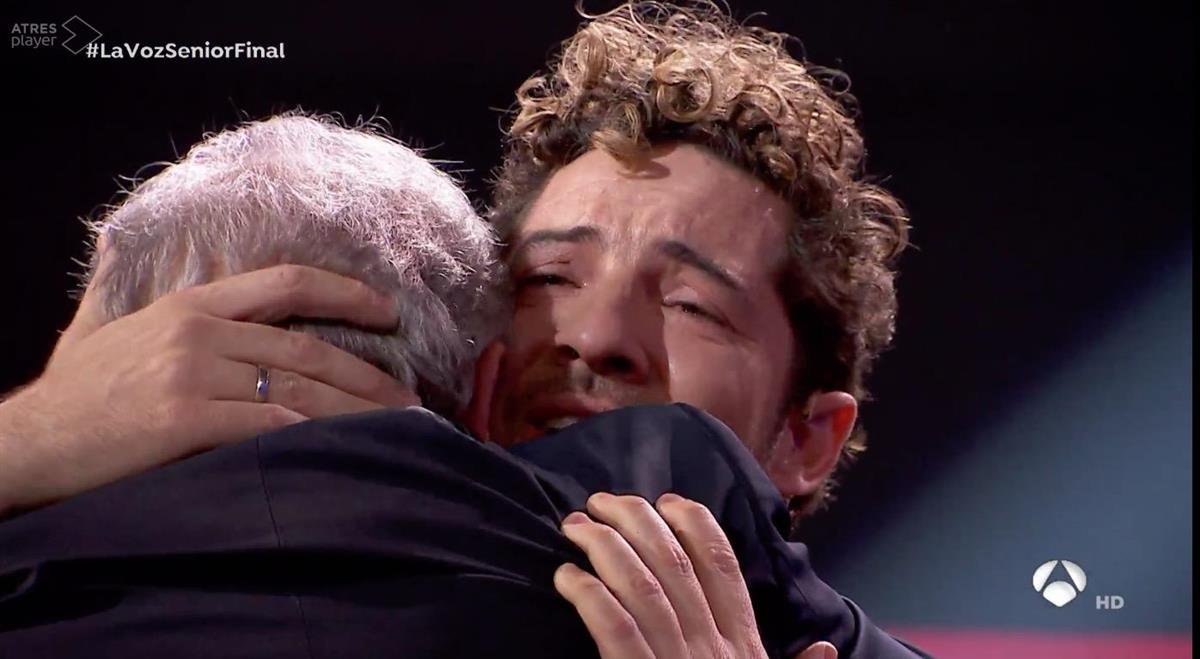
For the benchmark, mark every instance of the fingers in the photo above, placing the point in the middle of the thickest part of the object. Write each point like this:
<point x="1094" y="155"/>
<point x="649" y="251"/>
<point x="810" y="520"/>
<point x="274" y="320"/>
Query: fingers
<point x="635" y="587"/>
<point x="310" y="357"/>
<point x="616" y="633"/>
<point x="686" y="597"/>
<point x="273" y="294"/>
<point x="234" y="421"/>
<point x="656" y="547"/>
<point x="717" y="568"/>
<point x="228" y="380"/>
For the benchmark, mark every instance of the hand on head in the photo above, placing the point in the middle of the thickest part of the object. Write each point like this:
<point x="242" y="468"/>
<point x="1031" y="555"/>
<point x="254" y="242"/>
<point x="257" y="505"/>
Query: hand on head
<point x="179" y="376"/>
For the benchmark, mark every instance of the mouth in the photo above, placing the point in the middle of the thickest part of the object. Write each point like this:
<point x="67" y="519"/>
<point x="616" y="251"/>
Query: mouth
<point x="554" y="413"/>
<point x="558" y="423"/>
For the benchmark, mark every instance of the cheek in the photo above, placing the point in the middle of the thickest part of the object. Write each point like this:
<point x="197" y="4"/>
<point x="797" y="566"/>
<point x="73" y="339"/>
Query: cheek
<point x="731" y="384"/>
<point x="531" y="328"/>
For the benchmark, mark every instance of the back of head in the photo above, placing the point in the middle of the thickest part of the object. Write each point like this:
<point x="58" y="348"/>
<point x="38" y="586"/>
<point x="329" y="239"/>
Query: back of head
<point x="305" y="190"/>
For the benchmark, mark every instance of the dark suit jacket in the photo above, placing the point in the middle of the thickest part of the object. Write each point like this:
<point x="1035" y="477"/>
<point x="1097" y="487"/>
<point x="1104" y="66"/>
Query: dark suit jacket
<point x="387" y="534"/>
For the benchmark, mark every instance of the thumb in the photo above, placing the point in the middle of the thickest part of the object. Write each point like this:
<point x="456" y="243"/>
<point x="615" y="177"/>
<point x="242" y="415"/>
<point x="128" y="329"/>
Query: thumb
<point x="90" y="315"/>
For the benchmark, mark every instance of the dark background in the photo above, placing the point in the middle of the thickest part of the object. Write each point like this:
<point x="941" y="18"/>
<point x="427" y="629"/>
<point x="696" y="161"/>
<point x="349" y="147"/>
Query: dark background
<point x="1027" y="412"/>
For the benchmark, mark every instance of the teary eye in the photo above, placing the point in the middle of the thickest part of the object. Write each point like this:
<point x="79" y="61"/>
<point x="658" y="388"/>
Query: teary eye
<point x="693" y="309"/>
<point x="542" y="279"/>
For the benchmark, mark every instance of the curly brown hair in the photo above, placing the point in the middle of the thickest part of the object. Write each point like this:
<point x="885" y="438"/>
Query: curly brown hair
<point x="648" y="73"/>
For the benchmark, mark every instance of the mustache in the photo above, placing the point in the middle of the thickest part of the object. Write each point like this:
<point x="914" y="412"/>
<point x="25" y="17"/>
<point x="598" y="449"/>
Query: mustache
<point x="580" y="380"/>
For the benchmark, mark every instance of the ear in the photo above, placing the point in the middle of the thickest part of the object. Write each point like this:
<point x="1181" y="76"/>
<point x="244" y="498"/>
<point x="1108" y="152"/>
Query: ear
<point x="810" y="442"/>
<point x="487" y="369"/>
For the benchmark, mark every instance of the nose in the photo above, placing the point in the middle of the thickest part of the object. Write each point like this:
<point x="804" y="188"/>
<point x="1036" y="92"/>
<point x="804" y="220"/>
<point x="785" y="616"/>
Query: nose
<point x="608" y="331"/>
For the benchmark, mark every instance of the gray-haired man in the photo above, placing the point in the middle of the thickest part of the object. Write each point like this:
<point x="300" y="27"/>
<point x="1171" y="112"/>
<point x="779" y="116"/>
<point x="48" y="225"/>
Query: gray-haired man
<point x="254" y="226"/>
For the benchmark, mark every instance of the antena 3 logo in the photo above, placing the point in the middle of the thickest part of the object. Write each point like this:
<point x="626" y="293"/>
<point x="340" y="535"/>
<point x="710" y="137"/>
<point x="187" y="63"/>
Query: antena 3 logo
<point x="74" y="34"/>
<point x="1059" y="593"/>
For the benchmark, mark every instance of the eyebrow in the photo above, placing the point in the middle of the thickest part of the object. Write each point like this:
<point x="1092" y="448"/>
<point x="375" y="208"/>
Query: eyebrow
<point x="578" y="234"/>
<point x="685" y="254"/>
<point x="675" y="250"/>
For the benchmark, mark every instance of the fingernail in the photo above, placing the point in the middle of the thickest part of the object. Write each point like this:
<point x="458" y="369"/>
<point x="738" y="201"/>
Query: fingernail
<point x="669" y="497"/>
<point x="406" y="396"/>
<point x="564" y="571"/>
<point x="388" y="303"/>
<point x="575" y="518"/>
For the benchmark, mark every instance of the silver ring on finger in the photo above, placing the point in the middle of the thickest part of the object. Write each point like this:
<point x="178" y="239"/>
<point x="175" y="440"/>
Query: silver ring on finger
<point x="263" y="384"/>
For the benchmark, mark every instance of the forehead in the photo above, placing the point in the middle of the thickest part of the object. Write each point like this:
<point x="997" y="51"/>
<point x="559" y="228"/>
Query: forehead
<point x="684" y="193"/>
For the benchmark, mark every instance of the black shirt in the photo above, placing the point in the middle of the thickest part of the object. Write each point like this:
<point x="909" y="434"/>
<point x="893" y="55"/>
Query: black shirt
<point x="388" y="534"/>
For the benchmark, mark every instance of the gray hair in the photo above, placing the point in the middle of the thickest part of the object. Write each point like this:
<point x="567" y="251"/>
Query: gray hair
<point x="306" y="190"/>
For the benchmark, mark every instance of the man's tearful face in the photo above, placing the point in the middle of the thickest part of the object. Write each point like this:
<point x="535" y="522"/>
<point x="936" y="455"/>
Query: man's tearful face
<point x="647" y="287"/>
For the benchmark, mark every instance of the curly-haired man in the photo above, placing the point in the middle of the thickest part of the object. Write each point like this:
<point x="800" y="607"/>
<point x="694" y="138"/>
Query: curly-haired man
<point x="685" y="219"/>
